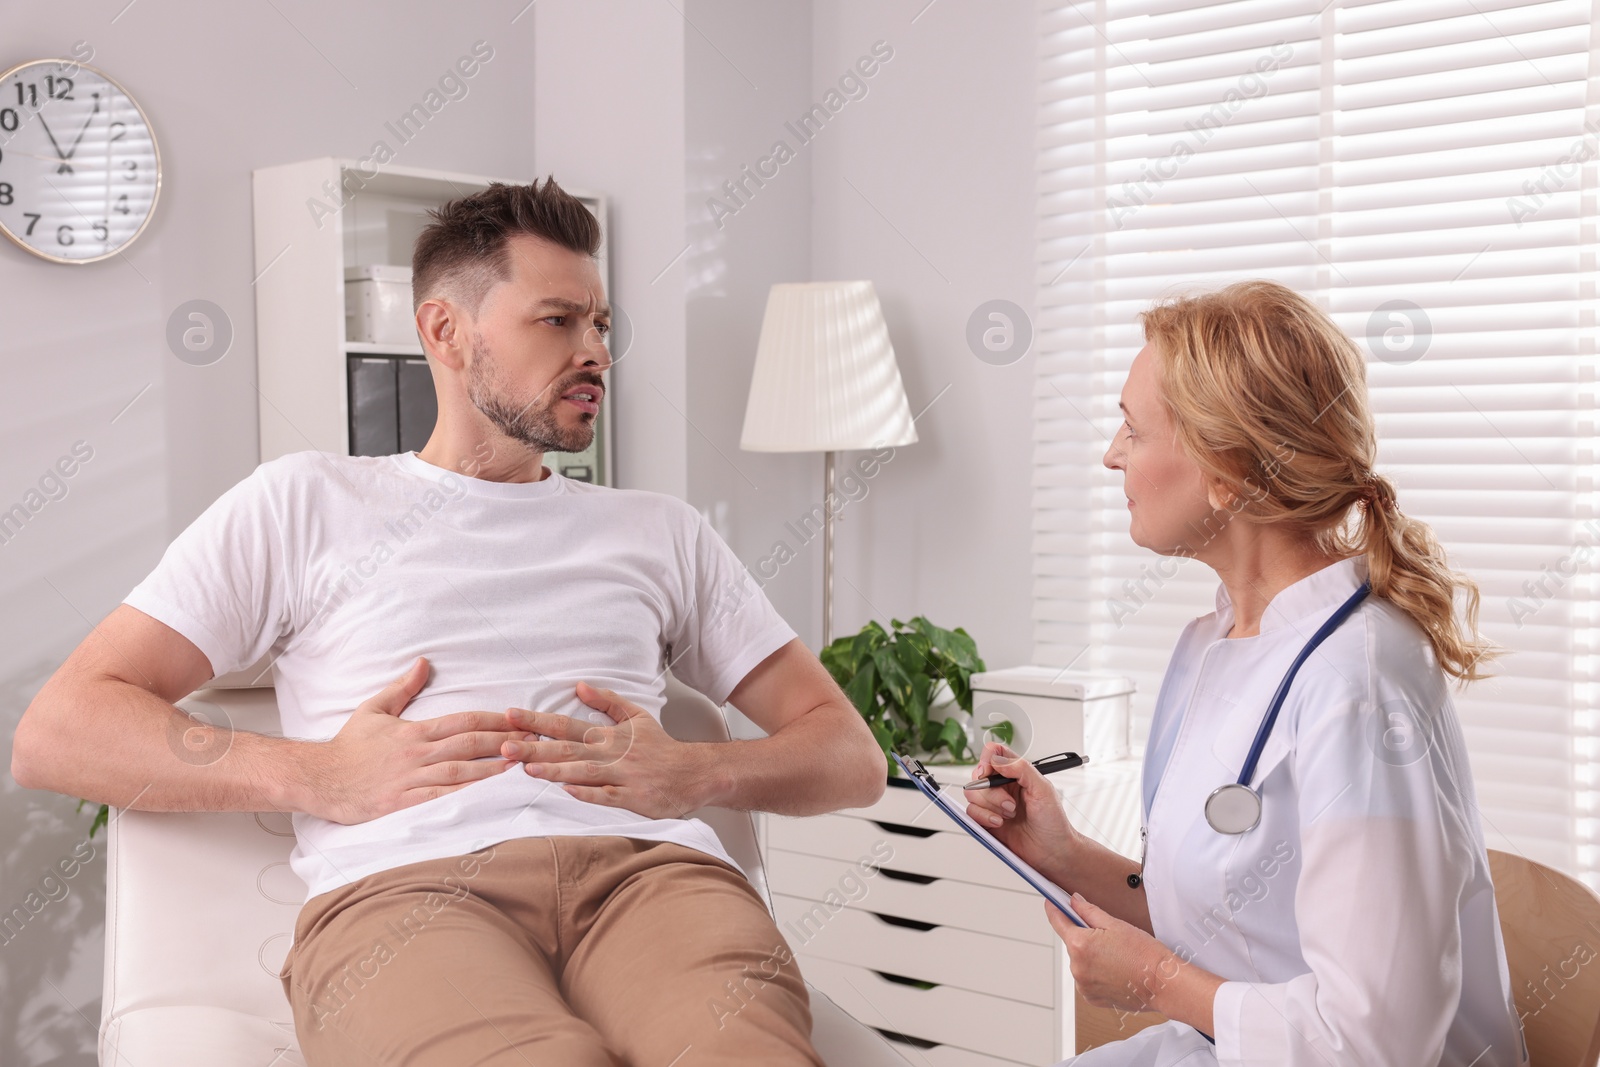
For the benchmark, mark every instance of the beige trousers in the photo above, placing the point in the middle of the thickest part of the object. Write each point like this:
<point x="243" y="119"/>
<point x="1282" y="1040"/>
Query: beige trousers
<point x="548" y="952"/>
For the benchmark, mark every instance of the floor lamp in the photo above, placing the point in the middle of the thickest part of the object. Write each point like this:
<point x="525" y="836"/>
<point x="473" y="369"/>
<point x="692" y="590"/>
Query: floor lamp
<point x="825" y="380"/>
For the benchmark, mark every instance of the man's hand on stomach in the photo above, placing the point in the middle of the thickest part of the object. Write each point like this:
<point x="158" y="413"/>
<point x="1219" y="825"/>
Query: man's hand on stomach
<point x="379" y="763"/>
<point x="634" y="764"/>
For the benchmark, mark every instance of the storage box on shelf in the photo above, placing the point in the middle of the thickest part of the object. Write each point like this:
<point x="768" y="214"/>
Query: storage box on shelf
<point x="912" y="927"/>
<point x="1033" y="698"/>
<point x="377" y="305"/>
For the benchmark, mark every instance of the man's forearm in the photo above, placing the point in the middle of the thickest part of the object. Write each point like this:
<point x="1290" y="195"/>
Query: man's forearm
<point x="814" y="765"/>
<point x="115" y="743"/>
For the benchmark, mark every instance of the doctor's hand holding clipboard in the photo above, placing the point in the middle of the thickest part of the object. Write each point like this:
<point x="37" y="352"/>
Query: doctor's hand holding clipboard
<point x="1116" y="961"/>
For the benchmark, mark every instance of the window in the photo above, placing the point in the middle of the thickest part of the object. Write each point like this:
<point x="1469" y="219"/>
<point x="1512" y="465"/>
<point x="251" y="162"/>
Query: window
<point x="1426" y="171"/>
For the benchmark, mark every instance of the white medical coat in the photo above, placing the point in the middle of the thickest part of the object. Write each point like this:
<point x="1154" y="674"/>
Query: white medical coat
<point x="1356" y="924"/>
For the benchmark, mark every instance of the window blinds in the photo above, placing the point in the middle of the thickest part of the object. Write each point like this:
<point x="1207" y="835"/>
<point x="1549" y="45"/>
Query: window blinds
<point x="1426" y="171"/>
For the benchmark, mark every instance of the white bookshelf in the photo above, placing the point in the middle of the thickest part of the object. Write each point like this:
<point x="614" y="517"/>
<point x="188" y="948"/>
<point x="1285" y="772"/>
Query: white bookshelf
<point x="365" y="348"/>
<point x="304" y="239"/>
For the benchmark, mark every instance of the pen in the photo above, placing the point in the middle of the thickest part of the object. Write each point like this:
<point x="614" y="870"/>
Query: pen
<point x="1063" y="761"/>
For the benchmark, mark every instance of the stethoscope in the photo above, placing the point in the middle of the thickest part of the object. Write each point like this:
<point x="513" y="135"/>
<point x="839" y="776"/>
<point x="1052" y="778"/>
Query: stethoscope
<point x="1235" y="808"/>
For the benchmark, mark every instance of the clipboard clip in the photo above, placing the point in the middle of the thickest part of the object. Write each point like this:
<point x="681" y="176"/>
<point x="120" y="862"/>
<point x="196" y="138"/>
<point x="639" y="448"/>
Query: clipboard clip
<point x="915" y="768"/>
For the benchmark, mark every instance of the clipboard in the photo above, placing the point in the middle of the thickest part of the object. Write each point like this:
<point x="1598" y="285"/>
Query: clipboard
<point x="924" y="781"/>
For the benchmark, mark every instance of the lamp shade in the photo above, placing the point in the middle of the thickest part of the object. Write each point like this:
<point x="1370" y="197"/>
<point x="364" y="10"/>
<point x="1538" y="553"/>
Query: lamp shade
<point x="825" y="377"/>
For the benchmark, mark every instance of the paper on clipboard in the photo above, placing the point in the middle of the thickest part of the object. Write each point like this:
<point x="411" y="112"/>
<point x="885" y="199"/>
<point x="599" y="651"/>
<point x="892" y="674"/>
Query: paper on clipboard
<point x="1048" y="889"/>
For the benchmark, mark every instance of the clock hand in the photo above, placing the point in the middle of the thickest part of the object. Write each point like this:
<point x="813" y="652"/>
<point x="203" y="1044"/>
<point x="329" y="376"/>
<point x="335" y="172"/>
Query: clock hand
<point x="85" y="129"/>
<point x="52" y="137"/>
<point x="35" y="155"/>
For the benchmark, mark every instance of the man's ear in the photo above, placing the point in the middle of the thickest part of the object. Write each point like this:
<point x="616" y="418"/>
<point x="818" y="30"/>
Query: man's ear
<point x="443" y="331"/>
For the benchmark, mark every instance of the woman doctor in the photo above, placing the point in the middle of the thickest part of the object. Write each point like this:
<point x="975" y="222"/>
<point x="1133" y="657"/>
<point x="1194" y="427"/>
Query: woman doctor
<point x="1327" y="903"/>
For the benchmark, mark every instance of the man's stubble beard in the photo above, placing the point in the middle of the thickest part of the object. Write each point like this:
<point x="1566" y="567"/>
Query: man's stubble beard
<point x="534" y="424"/>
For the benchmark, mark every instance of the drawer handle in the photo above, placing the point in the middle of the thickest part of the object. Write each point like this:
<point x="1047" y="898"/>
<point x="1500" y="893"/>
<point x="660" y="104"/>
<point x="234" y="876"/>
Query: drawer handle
<point x="905" y="1039"/>
<point x="907" y="876"/>
<point x="910" y="924"/>
<point x="900" y="979"/>
<point x="902" y="828"/>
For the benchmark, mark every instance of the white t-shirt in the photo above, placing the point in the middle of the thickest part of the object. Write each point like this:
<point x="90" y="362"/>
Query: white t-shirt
<point x="348" y="568"/>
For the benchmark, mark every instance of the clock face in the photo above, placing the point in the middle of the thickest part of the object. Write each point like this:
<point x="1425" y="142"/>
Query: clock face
<point x="79" y="168"/>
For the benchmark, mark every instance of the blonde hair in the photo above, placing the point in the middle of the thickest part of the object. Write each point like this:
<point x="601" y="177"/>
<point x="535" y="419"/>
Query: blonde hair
<point x="1270" y="397"/>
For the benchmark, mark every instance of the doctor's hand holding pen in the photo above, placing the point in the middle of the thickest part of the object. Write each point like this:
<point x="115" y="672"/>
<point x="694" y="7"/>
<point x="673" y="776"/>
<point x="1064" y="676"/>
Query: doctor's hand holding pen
<point x="1027" y="816"/>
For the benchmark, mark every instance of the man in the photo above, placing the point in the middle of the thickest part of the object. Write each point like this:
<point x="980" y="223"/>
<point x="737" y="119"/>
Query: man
<point x="485" y="886"/>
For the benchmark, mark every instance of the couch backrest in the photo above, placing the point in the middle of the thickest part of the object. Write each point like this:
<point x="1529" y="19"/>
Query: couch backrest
<point x="200" y="905"/>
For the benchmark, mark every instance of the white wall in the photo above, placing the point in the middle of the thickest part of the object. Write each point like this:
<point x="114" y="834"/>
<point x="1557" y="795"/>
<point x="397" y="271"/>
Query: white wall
<point x="748" y="70"/>
<point x="926" y="187"/>
<point x="941" y="145"/>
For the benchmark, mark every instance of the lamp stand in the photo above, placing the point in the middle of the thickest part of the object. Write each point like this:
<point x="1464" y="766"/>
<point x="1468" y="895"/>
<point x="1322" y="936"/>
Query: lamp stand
<point x="827" y="549"/>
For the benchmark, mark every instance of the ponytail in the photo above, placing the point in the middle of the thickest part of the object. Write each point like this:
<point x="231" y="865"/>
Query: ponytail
<point x="1406" y="566"/>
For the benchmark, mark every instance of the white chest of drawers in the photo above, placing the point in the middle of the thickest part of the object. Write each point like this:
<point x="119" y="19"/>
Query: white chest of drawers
<point x="913" y="928"/>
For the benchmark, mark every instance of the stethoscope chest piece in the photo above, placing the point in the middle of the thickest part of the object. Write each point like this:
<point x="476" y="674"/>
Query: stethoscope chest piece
<point x="1233" y="809"/>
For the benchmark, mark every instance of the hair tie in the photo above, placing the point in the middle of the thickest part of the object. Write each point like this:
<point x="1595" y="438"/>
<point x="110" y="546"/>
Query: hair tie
<point x="1372" y="493"/>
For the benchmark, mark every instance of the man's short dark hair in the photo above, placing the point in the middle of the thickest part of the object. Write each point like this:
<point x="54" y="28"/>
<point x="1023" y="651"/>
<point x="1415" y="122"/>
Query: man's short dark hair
<point x="463" y="252"/>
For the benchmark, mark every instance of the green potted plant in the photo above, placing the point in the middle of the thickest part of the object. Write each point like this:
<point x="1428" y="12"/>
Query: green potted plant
<point x="102" y="816"/>
<point x="896" y="678"/>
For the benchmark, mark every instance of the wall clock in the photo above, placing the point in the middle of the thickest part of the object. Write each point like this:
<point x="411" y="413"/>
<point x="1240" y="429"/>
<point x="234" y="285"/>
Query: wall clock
<point x="80" y="172"/>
